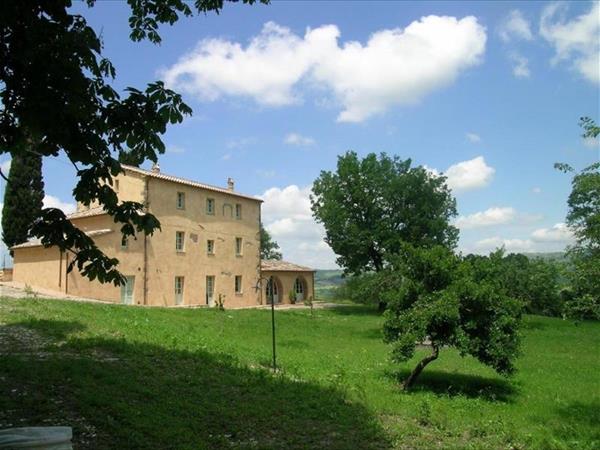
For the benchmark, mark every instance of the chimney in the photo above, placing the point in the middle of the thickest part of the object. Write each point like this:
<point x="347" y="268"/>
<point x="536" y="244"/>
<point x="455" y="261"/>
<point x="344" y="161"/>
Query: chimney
<point x="230" y="184"/>
<point x="155" y="168"/>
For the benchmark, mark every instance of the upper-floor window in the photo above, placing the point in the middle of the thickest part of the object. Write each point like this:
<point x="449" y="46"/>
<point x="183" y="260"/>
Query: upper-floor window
<point x="238" y="246"/>
<point x="179" y="241"/>
<point x="238" y="284"/>
<point x="238" y="211"/>
<point x="180" y="200"/>
<point x="179" y="290"/>
<point x="210" y="206"/>
<point x="210" y="247"/>
<point x="124" y="243"/>
<point x="116" y="185"/>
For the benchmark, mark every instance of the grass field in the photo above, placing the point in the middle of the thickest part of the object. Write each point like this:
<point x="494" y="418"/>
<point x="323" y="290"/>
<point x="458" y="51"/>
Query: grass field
<point x="127" y="377"/>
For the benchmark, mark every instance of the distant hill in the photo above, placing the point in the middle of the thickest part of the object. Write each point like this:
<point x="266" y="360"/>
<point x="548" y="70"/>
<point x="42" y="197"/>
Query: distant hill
<point x="326" y="281"/>
<point x="550" y="256"/>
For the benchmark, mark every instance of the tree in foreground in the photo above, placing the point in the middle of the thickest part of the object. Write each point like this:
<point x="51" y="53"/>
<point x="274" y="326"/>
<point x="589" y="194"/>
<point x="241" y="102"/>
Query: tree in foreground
<point x="269" y="249"/>
<point x="71" y="106"/>
<point x="371" y="207"/>
<point x="433" y="296"/>
<point x="23" y="198"/>
<point x="583" y="219"/>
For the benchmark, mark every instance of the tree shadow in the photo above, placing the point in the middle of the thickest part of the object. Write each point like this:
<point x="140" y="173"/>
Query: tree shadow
<point x="354" y="310"/>
<point x="150" y="396"/>
<point x="578" y="424"/>
<point x="457" y="384"/>
<point x="534" y="323"/>
<point x="372" y="333"/>
<point x="58" y="329"/>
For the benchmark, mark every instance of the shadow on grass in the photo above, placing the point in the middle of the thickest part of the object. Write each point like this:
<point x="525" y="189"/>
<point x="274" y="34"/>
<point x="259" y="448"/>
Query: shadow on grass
<point x="575" y="425"/>
<point x="535" y="323"/>
<point x="354" y="310"/>
<point x="58" y="329"/>
<point x="457" y="384"/>
<point x="149" y="396"/>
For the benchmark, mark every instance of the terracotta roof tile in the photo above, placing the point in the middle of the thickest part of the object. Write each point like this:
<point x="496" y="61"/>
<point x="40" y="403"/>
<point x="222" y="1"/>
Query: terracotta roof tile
<point x="274" y="265"/>
<point x="36" y="242"/>
<point x="97" y="211"/>
<point x="174" y="179"/>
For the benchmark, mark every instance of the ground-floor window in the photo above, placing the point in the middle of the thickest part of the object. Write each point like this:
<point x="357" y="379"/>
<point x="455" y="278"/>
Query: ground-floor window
<point x="210" y="290"/>
<point x="238" y="284"/>
<point x="299" y="289"/>
<point x="179" y="290"/>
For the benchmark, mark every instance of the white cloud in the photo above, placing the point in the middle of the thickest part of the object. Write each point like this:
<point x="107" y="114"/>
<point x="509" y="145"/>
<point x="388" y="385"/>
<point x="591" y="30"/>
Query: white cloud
<point x="265" y="173"/>
<point x="537" y="190"/>
<point x="558" y="233"/>
<point x="468" y="175"/>
<point x="520" y="65"/>
<point x="474" y="138"/>
<point x="590" y="142"/>
<point x="240" y="143"/>
<point x="491" y="216"/>
<point x="175" y="149"/>
<point x="287" y="216"/>
<point x="510" y="245"/>
<point x="5" y="166"/>
<point x="576" y="41"/>
<point x="394" y="67"/>
<point x="226" y="157"/>
<point x="298" y="140"/>
<point x="54" y="202"/>
<point x="515" y="26"/>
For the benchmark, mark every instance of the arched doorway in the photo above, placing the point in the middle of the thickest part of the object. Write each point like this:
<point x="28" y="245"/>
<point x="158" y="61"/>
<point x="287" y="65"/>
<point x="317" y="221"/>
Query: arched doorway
<point x="300" y="289"/>
<point x="272" y="288"/>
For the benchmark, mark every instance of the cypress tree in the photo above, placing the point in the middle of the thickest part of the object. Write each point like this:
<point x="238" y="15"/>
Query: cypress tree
<point x="23" y="198"/>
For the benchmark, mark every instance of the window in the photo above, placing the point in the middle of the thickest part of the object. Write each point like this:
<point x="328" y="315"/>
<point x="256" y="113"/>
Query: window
<point x="116" y="185"/>
<point x="238" y="246"/>
<point x="210" y="290"/>
<point x="210" y="247"/>
<point x="238" y="211"/>
<point x="179" y="290"/>
<point x="238" y="284"/>
<point x="124" y="243"/>
<point x="210" y="206"/>
<point x="179" y="241"/>
<point x="180" y="200"/>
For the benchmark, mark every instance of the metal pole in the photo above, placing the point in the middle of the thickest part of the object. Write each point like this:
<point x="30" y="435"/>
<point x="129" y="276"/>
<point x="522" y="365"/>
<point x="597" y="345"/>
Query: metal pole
<point x="273" y="323"/>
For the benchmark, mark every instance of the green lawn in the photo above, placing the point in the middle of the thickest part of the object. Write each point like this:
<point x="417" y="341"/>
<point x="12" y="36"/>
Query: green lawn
<point x="127" y="377"/>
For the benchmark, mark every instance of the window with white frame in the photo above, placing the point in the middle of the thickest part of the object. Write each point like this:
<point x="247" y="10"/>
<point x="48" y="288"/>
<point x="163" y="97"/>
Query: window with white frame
<point x="238" y="211"/>
<point x="179" y="290"/>
<point x="179" y="241"/>
<point x="124" y="243"/>
<point x="238" y="284"/>
<point x="238" y="246"/>
<point x="210" y="206"/>
<point x="181" y="200"/>
<point x="210" y="247"/>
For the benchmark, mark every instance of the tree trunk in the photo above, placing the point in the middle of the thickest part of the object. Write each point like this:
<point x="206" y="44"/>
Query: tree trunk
<point x="417" y="370"/>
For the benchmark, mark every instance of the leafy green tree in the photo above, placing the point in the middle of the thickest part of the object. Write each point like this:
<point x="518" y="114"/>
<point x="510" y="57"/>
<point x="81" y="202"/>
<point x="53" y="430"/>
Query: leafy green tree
<point x="583" y="219"/>
<point x="370" y="207"/>
<point x="269" y="249"/>
<point x="23" y="197"/>
<point x="535" y="282"/>
<point x="70" y="106"/>
<point x="433" y="296"/>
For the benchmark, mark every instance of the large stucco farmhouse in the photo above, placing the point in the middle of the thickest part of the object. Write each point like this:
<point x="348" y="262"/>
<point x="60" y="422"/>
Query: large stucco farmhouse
<point x="208" y="249"/>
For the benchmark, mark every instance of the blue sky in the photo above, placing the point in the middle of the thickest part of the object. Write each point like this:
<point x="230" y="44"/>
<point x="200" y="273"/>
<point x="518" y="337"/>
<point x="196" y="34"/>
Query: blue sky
<point x="489" y="93"/>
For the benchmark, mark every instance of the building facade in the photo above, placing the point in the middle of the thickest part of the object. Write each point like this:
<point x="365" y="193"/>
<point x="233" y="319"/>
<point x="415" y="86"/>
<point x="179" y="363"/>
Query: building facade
<point x="207" y="251"/>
